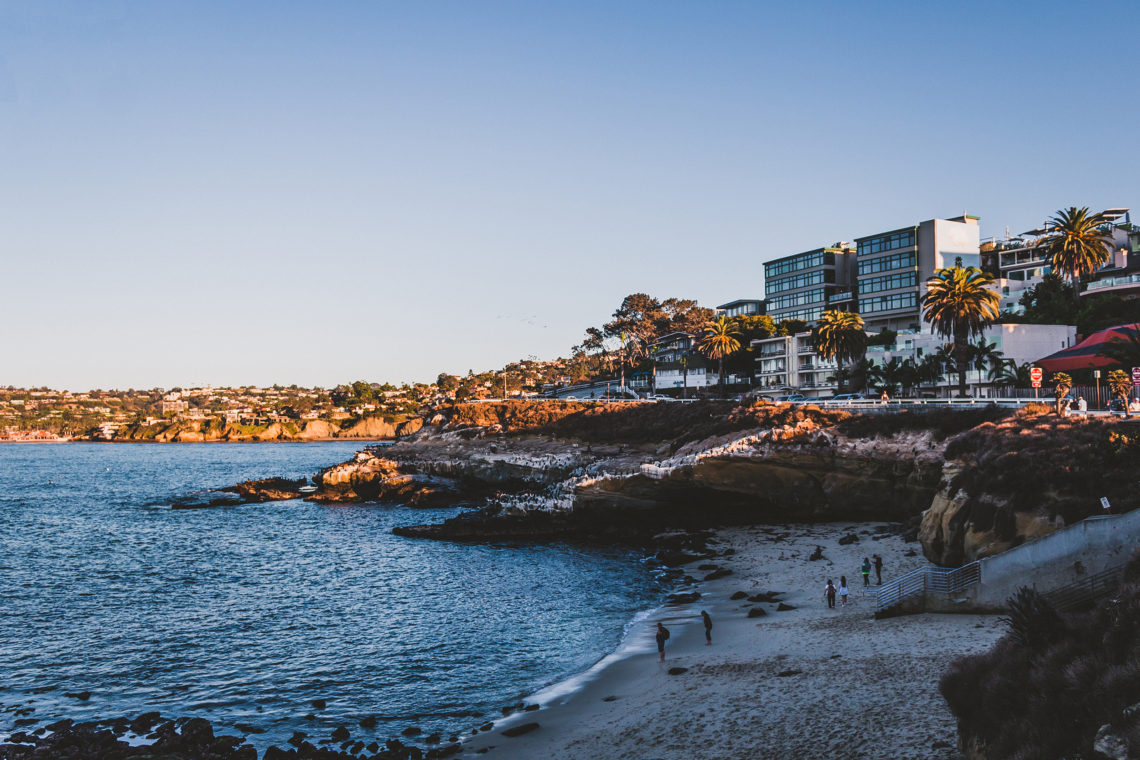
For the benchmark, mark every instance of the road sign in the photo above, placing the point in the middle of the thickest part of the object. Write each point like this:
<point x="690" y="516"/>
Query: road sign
<point x="1104" y="502"/>
<point x="1035" y="375"/>
<point x="1036" y="383"/>
<point x="1136" y="375"/>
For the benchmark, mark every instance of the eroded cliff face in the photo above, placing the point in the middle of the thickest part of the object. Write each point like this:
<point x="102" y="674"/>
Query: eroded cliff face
<point x="800" y="472"/>
<point x="1017" y="479"/>
<point x="982" y="481"/>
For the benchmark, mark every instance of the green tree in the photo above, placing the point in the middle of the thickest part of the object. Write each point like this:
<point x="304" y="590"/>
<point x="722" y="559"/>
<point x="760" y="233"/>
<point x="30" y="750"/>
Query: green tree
<point x="719" y="340"/>
<point x="985" y="357"/>
<point x="749" y="328"/>
<point x="1077" y="245"/>
<point x="1010" y="372"/>
<point x="930" y="370"/>
<point x="1120" y="383"/>
<point x="1062" y="384"/>
<point x="791" y="327"/>
<point x="839" y="336"/>
<point x="892" y="373"/>
<point x="958" y="304"/>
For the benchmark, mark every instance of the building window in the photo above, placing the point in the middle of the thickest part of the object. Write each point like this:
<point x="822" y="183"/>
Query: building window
<point x="798" y="263"/>
<point x="888" y="303"/>
<point x="807" y="315"/>
<point x="889" y="282"/>
<point x="886" y="243"/>
<point x="797" y="299"/>
<point x="799" y="281"/>
<point x="887" y="263"/>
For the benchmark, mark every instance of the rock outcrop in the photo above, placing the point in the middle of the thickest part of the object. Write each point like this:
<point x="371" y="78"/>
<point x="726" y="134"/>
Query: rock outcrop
<point x="269" y="489"/>
<point x="799" y="472"/>
<point x="1010" y="481"/>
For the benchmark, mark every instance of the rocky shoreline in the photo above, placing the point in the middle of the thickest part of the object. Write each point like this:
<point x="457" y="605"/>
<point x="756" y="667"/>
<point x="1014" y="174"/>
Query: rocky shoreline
<point x="152" y="736"/>
<point x="626" y="473"/>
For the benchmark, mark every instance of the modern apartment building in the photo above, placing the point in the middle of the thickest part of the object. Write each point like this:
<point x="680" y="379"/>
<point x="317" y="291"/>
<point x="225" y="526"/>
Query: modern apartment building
<point x="678" y="364"/>
<point x="791" y="363"/>
<point x="1020" y="262"/>
<point x="804" y="285"/>
<point x="892" y="268"/>
<point x="749" y="307"/>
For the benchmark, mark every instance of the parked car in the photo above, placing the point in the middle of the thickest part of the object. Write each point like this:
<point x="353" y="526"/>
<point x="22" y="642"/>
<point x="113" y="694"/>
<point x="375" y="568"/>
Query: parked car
<point x="659" y="397"/>
<point x="791" y="397"/>
<point x="849" y="397"/>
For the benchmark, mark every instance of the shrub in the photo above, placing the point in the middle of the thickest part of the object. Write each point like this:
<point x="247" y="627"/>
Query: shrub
<point x="1049" y="684"/>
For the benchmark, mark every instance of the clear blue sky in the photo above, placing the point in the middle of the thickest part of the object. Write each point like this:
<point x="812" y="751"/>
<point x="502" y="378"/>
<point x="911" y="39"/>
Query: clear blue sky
<point x="261" y="192"/>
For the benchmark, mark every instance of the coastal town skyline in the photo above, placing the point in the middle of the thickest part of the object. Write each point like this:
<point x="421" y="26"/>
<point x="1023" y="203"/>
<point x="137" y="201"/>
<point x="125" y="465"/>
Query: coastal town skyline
<point x="225" y="196"/>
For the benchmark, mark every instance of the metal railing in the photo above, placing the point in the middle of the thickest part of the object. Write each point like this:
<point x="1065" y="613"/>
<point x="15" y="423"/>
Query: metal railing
<point x="1086" y="590"/>
<point x="930" y="579"/>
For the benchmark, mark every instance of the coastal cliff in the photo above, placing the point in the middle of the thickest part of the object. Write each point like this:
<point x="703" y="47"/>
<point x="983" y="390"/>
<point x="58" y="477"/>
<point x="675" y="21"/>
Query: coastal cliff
<point x="186" y="431"/>
<point x="971" y="482"/>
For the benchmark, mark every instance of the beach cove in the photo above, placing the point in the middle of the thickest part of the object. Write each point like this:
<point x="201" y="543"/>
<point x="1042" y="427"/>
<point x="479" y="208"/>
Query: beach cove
<point x="809" y="682"/>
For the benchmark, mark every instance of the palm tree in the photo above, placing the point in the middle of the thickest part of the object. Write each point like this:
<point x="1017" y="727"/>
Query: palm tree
<point x="892" y="373"/>
<point x="839" y="335"/>
<point x="1121" y="384"/>
<point x="930" y="369"/>
<point x="1009" y="372"/>
<point x="1062" y="384"/>
<point x="718" y="341"/>
<point x="959" y="303"/>
<point x="985" y="357"/>
<point x="1077" y="245"/>
<point x="865" y="373"/>
<point x="909" y="377"/>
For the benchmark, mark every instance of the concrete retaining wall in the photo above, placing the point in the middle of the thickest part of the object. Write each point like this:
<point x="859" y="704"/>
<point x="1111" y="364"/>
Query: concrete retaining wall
<point x="1050" y="562"/>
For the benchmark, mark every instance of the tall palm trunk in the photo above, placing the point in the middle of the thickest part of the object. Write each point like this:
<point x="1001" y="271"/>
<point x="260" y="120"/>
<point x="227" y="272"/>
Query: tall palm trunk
<point x="720" y="373"/>
<point x="961" y="348"/>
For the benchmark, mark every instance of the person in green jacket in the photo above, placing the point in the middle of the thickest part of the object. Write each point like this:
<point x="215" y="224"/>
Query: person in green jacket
<point x="866" y="572"/>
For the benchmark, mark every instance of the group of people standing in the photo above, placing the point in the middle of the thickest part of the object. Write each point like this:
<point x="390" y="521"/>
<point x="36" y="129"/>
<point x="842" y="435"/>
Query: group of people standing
<point x="874" y="562"/>
<point x="663" y="634"/>
<point x="830" y="591"/>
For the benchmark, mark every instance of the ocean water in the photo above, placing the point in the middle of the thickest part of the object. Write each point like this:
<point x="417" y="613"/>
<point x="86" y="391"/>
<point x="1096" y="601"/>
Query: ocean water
<point x="247" y="614"/>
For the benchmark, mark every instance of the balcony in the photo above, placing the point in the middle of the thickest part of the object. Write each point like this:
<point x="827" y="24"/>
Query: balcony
<point x="842" y="296"/>
<point x="1111" y="283"/>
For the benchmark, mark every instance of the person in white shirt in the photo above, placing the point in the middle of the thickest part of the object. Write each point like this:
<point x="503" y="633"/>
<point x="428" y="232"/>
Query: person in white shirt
<point x="1082" y="407"/>
<point x="843" y="590"/>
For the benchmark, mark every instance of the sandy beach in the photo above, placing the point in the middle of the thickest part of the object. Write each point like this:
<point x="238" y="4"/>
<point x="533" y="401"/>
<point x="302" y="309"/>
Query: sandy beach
<point x="809" y="682"/>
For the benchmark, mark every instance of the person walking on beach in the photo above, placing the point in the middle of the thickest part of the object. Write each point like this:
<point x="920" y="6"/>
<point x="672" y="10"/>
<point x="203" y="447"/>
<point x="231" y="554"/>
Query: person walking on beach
<point x="843" y="590"/>
<point x="708" y="627"/>
<point x="878" y="569"/>
<point x="662" y="635"/>
<point x="829" y="592"/>
<point x="866" y="572"/>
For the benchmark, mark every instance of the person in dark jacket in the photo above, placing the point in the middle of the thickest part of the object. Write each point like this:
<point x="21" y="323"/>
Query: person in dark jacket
<point x="662" y="635"/>
<point x="878" y="569"/>
<point x="829" y="593"/>
<point x="708" y="627"/>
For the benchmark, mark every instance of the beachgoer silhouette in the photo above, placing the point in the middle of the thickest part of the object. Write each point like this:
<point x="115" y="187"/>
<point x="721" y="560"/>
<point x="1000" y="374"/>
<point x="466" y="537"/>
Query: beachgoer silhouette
<point x="829" y="592"/>
<point x="866" y="572"/>
<point x="708" y="627"/>
<point x="878" y="569"/>
<point x="662" y="635"/>
<point x="843" y="590"/>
